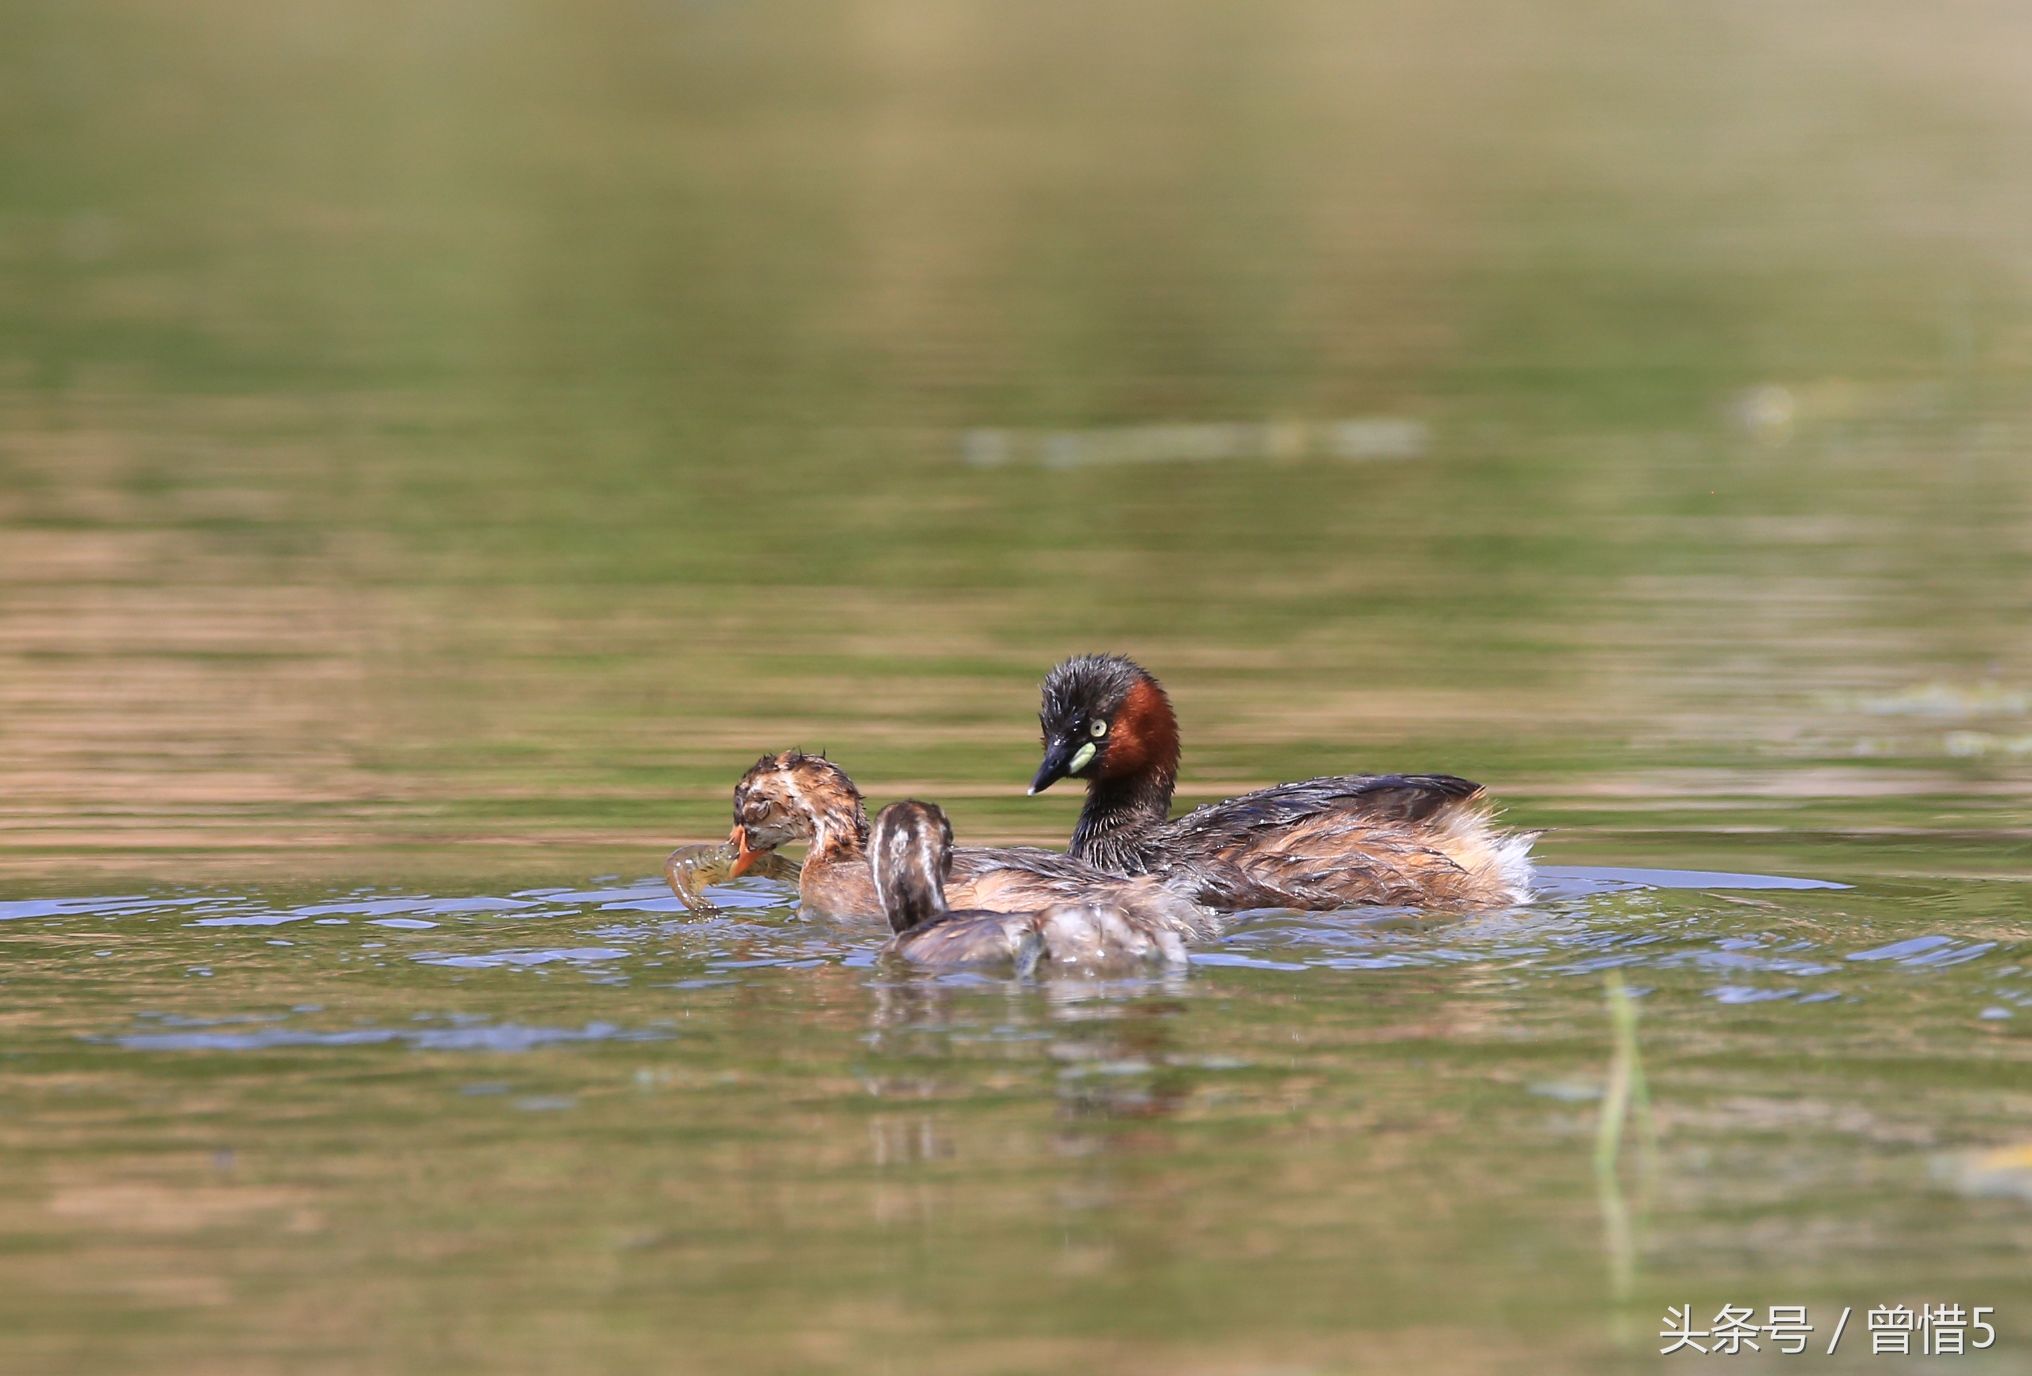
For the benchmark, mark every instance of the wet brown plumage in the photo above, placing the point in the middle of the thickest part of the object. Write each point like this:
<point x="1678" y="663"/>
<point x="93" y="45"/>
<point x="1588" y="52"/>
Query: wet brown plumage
<point x="911" y="852"/>
<point x="1413" y="840"/>
<point x="793" y="797"/>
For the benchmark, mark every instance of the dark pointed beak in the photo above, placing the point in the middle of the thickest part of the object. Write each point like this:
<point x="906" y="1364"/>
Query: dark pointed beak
<point x="1057" y="764"/>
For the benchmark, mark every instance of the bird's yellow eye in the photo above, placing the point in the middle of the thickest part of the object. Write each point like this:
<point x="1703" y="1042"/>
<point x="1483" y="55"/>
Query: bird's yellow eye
<point x="1098" y="729"/>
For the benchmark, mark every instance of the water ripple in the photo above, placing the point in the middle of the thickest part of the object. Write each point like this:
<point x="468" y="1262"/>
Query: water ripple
<point x="1928" y="950"/>
<point x="465" y="1037"/>
<point x="88" y="907"/>
<point x="497" y="960"/>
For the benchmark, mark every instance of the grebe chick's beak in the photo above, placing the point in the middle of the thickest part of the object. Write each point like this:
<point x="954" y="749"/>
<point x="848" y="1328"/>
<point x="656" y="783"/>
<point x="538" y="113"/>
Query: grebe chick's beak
<point x="745" y="856"/>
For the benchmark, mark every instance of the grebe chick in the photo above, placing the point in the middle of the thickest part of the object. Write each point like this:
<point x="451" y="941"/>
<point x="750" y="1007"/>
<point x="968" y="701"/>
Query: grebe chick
<point x="911" y="849"/>
<point x="1416" y="840"/>
<point x="793" y="797"/>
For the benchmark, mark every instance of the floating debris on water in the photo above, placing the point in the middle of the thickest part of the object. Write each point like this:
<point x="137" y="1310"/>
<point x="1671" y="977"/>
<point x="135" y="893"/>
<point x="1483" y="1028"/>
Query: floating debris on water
<point x="2005" y="1172"/>
<point x="1973" y="744"/>
<point x="1357" y="439"/>
<point x="1765" y="413"/>
<point x="1940" y="700"/>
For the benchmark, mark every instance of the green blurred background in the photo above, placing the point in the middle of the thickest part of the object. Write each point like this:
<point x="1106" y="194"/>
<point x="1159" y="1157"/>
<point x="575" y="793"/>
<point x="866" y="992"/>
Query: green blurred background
<point x="443" y="444"/>
<point x="447" y="438"/>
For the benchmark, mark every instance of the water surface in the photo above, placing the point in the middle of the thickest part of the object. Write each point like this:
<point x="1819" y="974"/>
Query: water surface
<point x="582" y="1128"/>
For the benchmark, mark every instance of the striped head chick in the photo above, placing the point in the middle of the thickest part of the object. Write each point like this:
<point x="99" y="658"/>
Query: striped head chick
<point x="911" y="851"/>
<point x="795" y="797"/>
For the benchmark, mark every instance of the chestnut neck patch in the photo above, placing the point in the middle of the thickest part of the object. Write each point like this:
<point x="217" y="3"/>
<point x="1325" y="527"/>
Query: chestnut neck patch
<point x="1143" y="737"/>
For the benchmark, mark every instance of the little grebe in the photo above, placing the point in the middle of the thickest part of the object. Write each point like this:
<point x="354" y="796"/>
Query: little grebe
<point x="795" y="797"/>
<point x="912" y="850"/>
<point x="1401" y="839"/>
